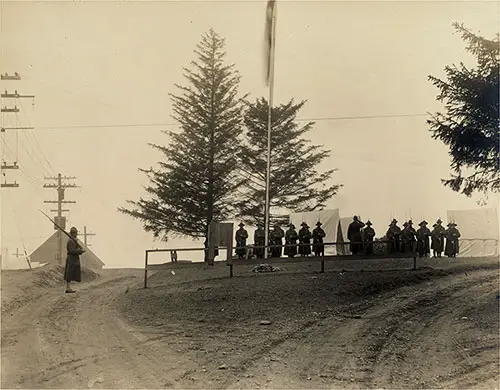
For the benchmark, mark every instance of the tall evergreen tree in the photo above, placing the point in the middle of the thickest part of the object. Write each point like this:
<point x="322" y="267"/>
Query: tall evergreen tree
<point x="196" y="180"/>
<point x="470" y="125"/>
<point x="295" y="185"/>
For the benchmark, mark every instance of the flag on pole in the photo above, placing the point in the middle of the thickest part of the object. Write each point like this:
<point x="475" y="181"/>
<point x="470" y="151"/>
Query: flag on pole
<point x="270" y="38"/>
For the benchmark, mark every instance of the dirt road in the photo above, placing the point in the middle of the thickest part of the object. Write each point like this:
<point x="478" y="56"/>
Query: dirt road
<point x="420" y="337"/>
<point x="78" y="341"/>
<point x="439" y="333"/>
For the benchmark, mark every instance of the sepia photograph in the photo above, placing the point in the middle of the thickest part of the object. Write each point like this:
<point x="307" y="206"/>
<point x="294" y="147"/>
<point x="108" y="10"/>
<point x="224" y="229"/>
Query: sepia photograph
<point x="250" y="194"/>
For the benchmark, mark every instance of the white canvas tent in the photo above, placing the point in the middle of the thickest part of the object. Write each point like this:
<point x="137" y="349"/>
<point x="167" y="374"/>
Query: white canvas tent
<point x="344" y="223"/>
<point x="329" y="220"/>
<point x="479" y="230"/>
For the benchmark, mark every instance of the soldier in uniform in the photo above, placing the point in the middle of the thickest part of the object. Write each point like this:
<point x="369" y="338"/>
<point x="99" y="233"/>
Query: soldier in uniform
<point x="317" y="235"/>
<point x="277" y="239"/>
<point x="368" y="236"/>
<point x="408" y="236"/>
<point x="437" y="238"/>
<point x="241" y="241"/>
<point x="259" y="239"/>
<point x="291" y="238"/>
<point x="305" y="240"/>
<point x="354" y="235"/>
<point x="452" y="235"/>
<point x="423" y="234"/>
<point x="393" y="235"/>
<point x="73" y="270"/>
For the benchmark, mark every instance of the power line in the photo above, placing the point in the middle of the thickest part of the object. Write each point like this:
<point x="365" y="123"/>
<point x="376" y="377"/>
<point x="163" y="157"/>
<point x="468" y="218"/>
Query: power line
<point x="19" y="229"/>
<point x="359" y="117"/>
<point x="178" y="124"/>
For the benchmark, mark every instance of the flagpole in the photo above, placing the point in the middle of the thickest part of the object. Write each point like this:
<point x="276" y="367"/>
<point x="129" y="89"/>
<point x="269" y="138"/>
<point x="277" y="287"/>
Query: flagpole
<point x="269" y="126"/>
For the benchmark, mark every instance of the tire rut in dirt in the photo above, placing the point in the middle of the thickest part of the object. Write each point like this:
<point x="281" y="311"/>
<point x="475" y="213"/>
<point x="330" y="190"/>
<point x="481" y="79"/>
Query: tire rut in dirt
<point x="364" y="354"/>
<point x="402" y="336"/>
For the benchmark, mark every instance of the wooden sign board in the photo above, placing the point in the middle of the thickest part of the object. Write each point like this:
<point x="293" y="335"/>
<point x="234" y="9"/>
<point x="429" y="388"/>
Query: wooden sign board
<point x="220" y="235"/>
<point x="61" y="222"/>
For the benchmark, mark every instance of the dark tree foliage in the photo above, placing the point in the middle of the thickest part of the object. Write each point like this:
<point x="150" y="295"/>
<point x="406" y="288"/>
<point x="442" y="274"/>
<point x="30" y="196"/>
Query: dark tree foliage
<point x="295" y="185"/>
<point x="470" y="125"/>
<point x="196" y="180"/>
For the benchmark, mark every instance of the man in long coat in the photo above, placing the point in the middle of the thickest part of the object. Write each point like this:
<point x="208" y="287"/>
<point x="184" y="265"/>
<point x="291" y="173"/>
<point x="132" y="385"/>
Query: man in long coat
<point x="73" y="270"/>
<point x="393" y="235"/>
<point x="368" y="236"/>
<point x="259" y="239"/>
<point x="423" y="234"/>
<point x="277" y="235"/>
<point x="317" y="235"/>
<point x="291" y="238"/>
<point x="452" y="235"/>
<point x="305" y="240"/>
<point x="408" y="236"/>
<point x="354" y="235"/>
<point x="241" y="241"/>
<point x="437" y="238"/>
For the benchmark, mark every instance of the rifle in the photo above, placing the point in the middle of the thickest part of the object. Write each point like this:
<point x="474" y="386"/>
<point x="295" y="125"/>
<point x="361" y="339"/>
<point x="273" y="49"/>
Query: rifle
<point x="64" y="231"/>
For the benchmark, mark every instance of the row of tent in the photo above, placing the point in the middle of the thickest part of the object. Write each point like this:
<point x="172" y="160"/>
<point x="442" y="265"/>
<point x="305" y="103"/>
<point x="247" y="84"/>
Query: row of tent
<point x="479" y="230"/>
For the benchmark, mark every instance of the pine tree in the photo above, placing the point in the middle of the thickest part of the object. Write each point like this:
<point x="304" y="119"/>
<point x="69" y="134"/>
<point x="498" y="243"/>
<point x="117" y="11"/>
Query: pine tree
<point x="470" y="126"/>
<point x="196" y="180"/>
<point x="295" y="185"/>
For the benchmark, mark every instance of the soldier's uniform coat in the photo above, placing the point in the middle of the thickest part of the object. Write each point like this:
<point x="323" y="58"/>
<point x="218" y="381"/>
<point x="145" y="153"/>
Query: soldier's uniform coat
<point x="394" y="234"/>
<point x="241" y="241"/>
<point x="259" y="239"/>
<point x="437" y="239"/>
<point x="354" y="236"/>
<point x="305" y="241"/>
<point x="408" y="238"/>
<point x="291" y="238"/>
<point x="368" y="236"/>
<point x="423" y="234"/>
<point x="318" y="234"/>
<point x="452" y="235"/>
<point x="73" y="270"/>
<point x="277" y="236"/>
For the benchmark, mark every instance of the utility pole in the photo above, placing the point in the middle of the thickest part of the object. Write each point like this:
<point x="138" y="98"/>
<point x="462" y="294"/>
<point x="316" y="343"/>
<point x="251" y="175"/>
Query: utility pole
<point x="4" y="109"/>
<point x="85" y="234"/>
<point x="60" y="220"/>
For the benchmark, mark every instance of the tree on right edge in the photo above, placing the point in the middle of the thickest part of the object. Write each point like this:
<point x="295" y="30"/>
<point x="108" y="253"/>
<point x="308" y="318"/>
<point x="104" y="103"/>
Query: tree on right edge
<point x="470" y="125"/>
<point x="295" y="185"/>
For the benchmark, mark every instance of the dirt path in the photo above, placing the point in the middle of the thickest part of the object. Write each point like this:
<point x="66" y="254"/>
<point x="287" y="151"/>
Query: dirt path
<point x="78" y="341"/>
<point x="436" y="334"/>
<point x="422" y="337"/>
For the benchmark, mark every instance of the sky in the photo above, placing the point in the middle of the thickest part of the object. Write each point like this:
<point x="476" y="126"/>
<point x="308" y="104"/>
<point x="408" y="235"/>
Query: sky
<point x="102" y="71"/>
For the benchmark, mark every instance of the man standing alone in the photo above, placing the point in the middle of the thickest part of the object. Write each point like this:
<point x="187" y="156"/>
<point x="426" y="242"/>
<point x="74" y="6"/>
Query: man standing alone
<point x="73" y="271"/>
<point x="241" y="241"/>
<point x="318" y="234"/>
<point x="354" y="235"/>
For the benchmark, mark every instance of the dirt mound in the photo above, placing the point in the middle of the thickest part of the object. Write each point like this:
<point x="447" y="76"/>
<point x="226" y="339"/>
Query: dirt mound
<point x="52" y="275"/>
<point x="21" y="286"/>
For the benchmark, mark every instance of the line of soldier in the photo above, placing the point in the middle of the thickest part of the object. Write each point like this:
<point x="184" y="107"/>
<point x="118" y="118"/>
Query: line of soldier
<point x="296" y="243"/>
<point x="361" y="236"/>
<point x="404" y="240"/>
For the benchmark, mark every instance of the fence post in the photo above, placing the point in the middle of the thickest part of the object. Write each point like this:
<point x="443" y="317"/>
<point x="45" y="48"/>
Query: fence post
<point x="146" y="270"/>
<point x="173" y="256"/>
<point x="230" y="270"/>
<point x="323" y="260"/>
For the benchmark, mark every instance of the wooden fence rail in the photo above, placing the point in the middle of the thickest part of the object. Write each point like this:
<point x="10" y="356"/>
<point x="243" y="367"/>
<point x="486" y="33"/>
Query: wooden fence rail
<point x="174" y="264"/>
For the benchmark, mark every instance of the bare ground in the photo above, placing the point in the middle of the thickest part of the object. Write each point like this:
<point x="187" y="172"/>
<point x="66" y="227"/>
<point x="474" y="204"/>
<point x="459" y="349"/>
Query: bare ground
<point x="380" y="328"/>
